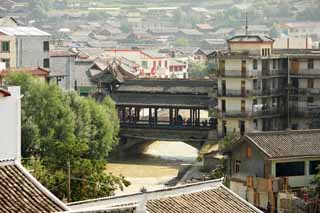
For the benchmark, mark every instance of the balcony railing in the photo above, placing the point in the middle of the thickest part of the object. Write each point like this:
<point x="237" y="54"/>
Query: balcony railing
<point x="307" y="72"/>
<point x="248" y="93"/>
<point x="305" y="111"/>
<point x="252" y="113"/>
<point x="251" y="73"/>
<point x="305" y="91"/>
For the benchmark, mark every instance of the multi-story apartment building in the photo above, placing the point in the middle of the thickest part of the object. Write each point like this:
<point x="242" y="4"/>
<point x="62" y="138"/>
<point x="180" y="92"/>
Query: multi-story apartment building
<point x="24" y="47"/>
<point x="304" y="93"/>
<point x="262" y="89"/>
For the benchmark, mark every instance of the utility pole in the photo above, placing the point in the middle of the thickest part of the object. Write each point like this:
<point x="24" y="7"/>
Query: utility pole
<point x="246" y="28"/>
<point x="69" y="181"/>
<point x="288" y="95"/>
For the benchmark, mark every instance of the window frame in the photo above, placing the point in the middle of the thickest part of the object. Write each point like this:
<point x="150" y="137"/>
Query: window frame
<point x="46" y="46"/>
<point x="46" y="63"/>
<point x="313" y="170"/>
<point x="255" y="64"/>
<point x="8" y="46"/>
<point x="310" y="63"/>
<point x="293" y="171"/>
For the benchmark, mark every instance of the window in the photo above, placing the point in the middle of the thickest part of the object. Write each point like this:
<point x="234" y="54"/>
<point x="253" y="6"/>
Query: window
<point x="5" y="46"/>
<point x="7" y="61"/>
<point x="249" y="152"/>
<point x="160" y="63"/>
<point x="254" y="102"/>
<point x="255" y="64"/>
<point x="313" y="167"/>
<point x="166" y="64"/>
<point x="46" y="46"/>
<point x="223" y="105"/>
<point x="269" y="53"/>
<point x="46" y="63"/>
<point x="255" y="122"/>
<point x="274" y="63"/>
<point x="290" y="169"/>
<point x="310" y="100"/>
<point x="144" y="64"/>
<point x="237" y="165"/>
<point x="263" y="52"/>
<point x="310" y="83"/>
<point x="255" y="84"/>
<point x="274" y="101"/>
<point x="310" y="63"/>
<point x="243" y="106"/>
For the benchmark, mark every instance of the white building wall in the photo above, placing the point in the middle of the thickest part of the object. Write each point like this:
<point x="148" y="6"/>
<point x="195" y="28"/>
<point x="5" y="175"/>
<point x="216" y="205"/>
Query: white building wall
<point x="10" y="125"/>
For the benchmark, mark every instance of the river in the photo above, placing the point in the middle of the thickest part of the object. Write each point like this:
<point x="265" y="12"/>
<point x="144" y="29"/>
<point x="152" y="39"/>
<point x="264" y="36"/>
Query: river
<point x="153" y="168"/>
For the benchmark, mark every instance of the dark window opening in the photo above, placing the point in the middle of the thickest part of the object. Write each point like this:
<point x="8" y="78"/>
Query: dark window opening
<point x="46" y="46"/>
<point x="290" y="169"/>
<point x="46" y="63"/>
<point x="5" y="46"/>
<point x="310" y="100"/>
<point x="274" y="63"/>
<point x="255" y="64"/>
<point x="310" y="83"/>
<point x="313" y="167"/>
<point x="310" y="63"/>
<point x="237" y="166"/>
<point x="6" y="61"/>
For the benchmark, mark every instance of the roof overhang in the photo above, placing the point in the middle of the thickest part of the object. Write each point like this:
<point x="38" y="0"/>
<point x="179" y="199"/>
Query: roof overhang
<point x="4" y="93"/>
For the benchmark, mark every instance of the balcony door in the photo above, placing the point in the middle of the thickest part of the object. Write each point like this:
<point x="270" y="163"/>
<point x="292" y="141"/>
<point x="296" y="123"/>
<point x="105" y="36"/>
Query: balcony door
<point x="243" y="68"/>
<point x="243" y="88"/>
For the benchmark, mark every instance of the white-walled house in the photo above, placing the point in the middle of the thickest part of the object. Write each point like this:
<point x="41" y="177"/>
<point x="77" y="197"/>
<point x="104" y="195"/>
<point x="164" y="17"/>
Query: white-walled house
<point x="10" y="123"/>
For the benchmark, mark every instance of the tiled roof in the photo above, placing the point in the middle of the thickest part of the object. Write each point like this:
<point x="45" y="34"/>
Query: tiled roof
<point x="281" y="144"/>
<point x="20" y="192"/>
<point x="4" y="93"/>
<point x="207" y="196"/>
<point x="162" y="100"/>
<point x="36" y="71"/>
<point x="176" y="86"/>
<point x="251" y="38"/>
<point x="219" y="199"/>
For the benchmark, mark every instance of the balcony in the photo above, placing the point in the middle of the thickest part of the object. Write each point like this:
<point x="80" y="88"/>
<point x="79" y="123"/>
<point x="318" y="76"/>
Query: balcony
<point x="251" y="73"/>
<point x="250" y="93"/>
<point x="306" y="111"/>
<point x="305" y="91"/>
<point x="306" y="73"/>
<point x="257" y="113"/>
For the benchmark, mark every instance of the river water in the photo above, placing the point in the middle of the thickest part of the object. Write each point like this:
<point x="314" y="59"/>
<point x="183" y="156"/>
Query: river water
<point x="153" y="168"/>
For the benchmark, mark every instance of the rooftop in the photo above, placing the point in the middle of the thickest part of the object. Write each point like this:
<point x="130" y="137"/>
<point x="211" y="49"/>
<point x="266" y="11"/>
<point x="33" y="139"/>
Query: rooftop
<point x="20" y="192"/>
<point x="37" y="71"/>
<point x="4" y="92"/>
<point x="23" y="31"/>
<point x="191" y="32"/>
<point x="208" y="196"/>
<point x="283" y="144"/>
<point x="250" y="38"/>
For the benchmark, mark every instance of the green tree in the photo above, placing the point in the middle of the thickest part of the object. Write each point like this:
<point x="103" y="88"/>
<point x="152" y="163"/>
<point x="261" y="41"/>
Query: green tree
<point x="61" y="129"/>
<point x="181" y="42"/>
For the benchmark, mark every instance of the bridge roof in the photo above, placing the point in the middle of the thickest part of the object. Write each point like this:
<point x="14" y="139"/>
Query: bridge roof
<point x="180" y="86"/>
<point x="163" y="100"/>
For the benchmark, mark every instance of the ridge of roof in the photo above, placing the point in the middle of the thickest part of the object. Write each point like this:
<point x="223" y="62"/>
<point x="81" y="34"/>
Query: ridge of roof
<point x="215" y="181"/>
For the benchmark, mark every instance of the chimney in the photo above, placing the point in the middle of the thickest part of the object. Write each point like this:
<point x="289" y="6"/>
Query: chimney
<point x="141" y="208"/>
<point x="10" y="123"/>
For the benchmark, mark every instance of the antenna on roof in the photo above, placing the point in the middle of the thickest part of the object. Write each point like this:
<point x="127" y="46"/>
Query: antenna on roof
<point x="246" y="27"/>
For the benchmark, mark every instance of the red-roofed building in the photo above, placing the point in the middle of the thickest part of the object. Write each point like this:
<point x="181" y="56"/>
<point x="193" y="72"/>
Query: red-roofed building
<point x="35" y="71"/>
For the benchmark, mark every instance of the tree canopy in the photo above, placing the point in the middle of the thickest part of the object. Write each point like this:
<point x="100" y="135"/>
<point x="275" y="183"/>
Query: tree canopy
<point x="61" y="129"/>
